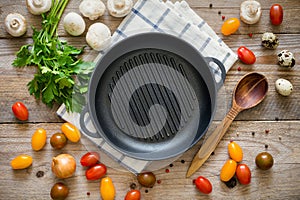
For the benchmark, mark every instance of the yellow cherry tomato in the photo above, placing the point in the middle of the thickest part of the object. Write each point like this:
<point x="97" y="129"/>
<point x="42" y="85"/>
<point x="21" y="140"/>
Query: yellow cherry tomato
<point x="21" y="161"/>
<point x="230" y="26"/>
<point x="235" y="151"/>
<point x="228" y="170"/>
<point x="38" y="139"/>
<point x="71" y="132"/>
<point x="107" y="189"/>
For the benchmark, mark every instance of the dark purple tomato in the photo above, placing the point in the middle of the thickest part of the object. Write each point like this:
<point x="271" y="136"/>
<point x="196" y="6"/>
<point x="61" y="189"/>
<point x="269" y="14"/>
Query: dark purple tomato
<point x="58" y="140"/>
<point x="264" y="160"/>
<point x="146" y="179"/>
<point x="59" y="191"/>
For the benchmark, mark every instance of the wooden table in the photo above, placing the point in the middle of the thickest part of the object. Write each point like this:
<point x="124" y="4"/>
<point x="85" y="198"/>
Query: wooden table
<point x="277" y="114"/>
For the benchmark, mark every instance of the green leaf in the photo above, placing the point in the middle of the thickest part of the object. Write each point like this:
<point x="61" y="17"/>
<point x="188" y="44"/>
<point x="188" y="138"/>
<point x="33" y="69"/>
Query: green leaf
<point x="23" y="57"/>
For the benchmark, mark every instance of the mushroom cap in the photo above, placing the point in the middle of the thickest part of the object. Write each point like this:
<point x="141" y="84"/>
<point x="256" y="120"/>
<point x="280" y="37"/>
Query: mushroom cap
<point x="119" y="8"/>
<point x="98" y="36"/>
<point x="15" y="24"/>
<point x="74" y="24"/>
<point x="37" y="7"/>
<point x="93" y="9"/>
<point x="250" y="11"/>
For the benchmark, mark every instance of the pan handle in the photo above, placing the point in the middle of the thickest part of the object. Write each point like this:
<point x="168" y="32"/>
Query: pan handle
<point x="219" y="74"/>
<point x="84" y="121"/>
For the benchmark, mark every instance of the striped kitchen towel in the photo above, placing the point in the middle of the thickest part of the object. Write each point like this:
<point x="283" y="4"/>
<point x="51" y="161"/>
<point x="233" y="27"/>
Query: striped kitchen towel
<point x="158" y="16"/>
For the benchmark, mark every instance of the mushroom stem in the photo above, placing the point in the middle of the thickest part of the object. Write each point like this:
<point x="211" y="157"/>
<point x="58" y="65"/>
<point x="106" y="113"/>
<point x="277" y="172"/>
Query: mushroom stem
<point x="252" y="10"/>
<point x="37" y="3"/>
<point x="14" y="24"/>
<point x="119" y="4"/>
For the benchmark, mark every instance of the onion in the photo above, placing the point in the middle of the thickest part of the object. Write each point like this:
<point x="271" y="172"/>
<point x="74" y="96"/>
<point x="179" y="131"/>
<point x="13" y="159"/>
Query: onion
<point x="63" y="165"/>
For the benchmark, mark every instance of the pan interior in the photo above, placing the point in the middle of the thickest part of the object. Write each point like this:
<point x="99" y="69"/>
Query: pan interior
<point x="152" y="104"/>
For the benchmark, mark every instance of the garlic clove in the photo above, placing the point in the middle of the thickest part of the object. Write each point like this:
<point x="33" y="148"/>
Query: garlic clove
<point x="15" y="24"/>
<point x="37" y="7"/>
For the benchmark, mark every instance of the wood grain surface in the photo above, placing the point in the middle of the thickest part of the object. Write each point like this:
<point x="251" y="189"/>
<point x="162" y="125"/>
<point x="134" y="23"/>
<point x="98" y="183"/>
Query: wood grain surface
<point x="277" y="114"/>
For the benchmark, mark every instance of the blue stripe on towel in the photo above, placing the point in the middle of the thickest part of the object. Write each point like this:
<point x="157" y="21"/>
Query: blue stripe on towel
<point x="185" y="28"/>
<point x="205" y="44"/>
<point x="147" y="20"/>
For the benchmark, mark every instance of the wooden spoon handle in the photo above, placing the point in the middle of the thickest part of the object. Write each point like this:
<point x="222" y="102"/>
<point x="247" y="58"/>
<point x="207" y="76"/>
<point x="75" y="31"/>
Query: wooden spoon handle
<point x="212" y="141"/>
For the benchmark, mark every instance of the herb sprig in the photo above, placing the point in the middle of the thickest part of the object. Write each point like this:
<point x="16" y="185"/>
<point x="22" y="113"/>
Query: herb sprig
<point x="57" y="64"/>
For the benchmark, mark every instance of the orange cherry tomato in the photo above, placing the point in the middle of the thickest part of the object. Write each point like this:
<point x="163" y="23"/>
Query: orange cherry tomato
<point x="20" y="111"/>
<point x="203" y="185"/>
<point x="133" y="195"/>
<point x="107" y="189"/>
<point x="228" y="170"/>
<point x="21" y="162"/>
<point x="235" y="151"/>
<point x="230" y="26"/>
<point x="243" y="174"/>
<point x="71" y="132"/>
<point x="246" y="55"/>
<point x="276" y="14"/>
<point x="38" y="139"/>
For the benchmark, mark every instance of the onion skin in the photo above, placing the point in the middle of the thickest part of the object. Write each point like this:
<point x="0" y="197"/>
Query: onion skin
<point x="63" y="165"/>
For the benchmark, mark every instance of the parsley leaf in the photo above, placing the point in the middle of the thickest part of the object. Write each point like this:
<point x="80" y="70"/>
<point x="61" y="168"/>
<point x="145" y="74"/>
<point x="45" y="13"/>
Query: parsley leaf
<point x="57" y="64"/>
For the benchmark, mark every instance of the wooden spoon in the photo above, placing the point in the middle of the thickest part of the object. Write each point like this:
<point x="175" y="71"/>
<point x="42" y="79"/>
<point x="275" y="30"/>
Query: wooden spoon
<point x="249" y="92"/>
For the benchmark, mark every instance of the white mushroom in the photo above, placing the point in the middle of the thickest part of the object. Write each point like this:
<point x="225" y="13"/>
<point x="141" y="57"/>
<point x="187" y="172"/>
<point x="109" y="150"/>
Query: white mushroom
<point x="119" y="8"/>
<point x="37" y="7"/>
<point x="74" y="24"/>
<point x="15" y="24"/>
<point x="98" y="36"/>
<point x="250" y="11"/>
<point x="93" y="9"/>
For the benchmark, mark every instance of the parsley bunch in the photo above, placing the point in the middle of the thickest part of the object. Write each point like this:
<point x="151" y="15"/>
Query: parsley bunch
<point x="57" y="64"/>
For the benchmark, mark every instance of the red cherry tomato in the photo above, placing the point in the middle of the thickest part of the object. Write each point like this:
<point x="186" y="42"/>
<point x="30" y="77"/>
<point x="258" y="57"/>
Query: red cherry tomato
<point x="243" y="174"/>
<point x="95" y="172"/>
<point x="276" y="14"/>
<point x="246" y="55"/>
<point x="90" y="159"/>
<point x="133" y="195"/>
<point x="20" y="111"/>
<point x="203" y="185"/>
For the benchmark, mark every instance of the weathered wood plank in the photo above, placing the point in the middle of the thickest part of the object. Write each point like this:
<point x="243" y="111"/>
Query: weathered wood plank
<point x="280" y="182"/>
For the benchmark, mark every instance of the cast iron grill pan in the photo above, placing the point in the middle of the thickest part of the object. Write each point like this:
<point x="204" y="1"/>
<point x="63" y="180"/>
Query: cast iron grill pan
<point x="154" y="79"/>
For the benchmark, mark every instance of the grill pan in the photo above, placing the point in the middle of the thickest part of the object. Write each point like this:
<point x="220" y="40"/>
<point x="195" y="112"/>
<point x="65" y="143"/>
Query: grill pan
<point x="152" y="96"/>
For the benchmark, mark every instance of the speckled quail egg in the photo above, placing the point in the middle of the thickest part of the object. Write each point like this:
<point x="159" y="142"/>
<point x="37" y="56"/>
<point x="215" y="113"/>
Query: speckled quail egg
<point x="286" y="59"/>
<point x="283" y="87"/>
<point x="269" y="40"/>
